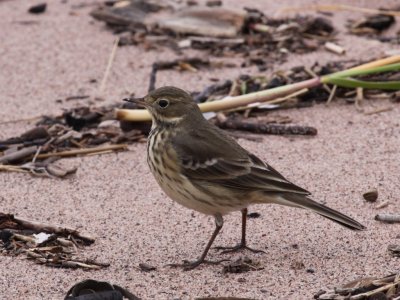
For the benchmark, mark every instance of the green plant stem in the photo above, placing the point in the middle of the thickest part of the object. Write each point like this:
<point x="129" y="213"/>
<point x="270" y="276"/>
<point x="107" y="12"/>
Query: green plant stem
<point x="354" y="83"/>
<point x="358" y="72"/>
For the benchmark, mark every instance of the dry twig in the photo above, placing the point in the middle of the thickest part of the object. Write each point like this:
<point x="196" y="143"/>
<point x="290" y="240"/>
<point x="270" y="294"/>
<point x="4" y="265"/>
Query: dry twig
<point x="40" y="227"/>
<point x="83" y="151"/>
<point x="378" y="110"/>
<point x="383" y="204"/>
<point x="108" y="68"/>
<point x="256" y="127"/>
<point x="388" y="218"/>
<point x="18" y="155"/>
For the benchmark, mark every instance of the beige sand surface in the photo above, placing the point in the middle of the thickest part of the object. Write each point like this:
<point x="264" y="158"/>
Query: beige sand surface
<point x="115" y="198"/>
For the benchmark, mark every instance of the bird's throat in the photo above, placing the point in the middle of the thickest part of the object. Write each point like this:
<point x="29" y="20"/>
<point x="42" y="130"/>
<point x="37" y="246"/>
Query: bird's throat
<point x="166" y="122"/>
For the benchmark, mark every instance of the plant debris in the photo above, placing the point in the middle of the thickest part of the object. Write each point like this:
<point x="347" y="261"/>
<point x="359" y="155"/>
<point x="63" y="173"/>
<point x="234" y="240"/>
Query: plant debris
<point x="254" y="118"/>
<point x="387" y="287"/>
<point x="372" y="24"/>
<point x="394" y="250"/>
<point x="249" y="33"/>
<point x="335" y="48"/>
<point x="255" y="125"/>
<point x="242" y="265"/>
<point x="79" y="131"/>
<point x="375" y="26"/>
<point x="246" y="84"/>
<point x="382" y="204"/>
<point x="51" y="245"/>
<point x="90" y="130"/>
<point x="183" y="64"/>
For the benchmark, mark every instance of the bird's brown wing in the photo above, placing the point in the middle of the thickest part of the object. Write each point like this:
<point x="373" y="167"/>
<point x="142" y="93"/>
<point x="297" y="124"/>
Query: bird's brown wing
<point x="213" y="156"/>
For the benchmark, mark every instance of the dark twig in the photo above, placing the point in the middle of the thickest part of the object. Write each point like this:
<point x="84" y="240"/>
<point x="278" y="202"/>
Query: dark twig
<point x="210" y="90"/>
<point x="37" y="134"/>
<point x="238" y="124"/>
<point x="394" y="250"/>
<point x="18" y="155"/>
<point x="153" y="75"/>
<point x="78" y="97"/>
<point x="84" y="151"/>
<point x="194" y="62"/>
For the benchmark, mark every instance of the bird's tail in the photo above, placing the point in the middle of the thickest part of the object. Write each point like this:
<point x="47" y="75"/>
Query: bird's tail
<point x="303" y="201"/>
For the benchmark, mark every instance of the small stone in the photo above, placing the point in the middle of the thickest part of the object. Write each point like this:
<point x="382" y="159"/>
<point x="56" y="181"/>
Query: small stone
<point x="192" y="3"/>
<point x="371" y="196"/>
<point x="319" y="293"/>
<point x="253" y="215"/>
<point x="38" y="9"/>
<point x="146" y="267"/>
<point x="311" y="271"/>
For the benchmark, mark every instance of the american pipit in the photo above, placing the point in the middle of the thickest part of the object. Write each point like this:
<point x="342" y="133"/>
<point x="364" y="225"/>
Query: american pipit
<point x="202" y="168"/>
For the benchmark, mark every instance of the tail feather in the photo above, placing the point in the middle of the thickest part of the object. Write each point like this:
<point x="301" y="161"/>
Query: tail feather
<point x="303" y="201"/>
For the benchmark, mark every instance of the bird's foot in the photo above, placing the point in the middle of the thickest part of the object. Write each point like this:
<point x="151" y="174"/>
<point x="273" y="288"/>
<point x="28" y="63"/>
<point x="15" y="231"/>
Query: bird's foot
<point x="190" y="265"/>
<point x="238" y="248"/>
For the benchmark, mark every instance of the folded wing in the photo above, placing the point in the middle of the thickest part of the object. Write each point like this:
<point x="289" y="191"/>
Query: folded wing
<point x="215" y="157"/>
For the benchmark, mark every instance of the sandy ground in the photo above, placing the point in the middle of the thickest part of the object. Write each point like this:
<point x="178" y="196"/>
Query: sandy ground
<point x="115" y="198"/>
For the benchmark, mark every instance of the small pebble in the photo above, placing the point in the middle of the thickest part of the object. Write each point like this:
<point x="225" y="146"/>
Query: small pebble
<point x="311" y="271"/>
<point x="38" y="9"/>
<point x="146" y="267"/>
<point x="212" y="3"/>
<point x="371" y="196"/>
<point x="253" y="215"/>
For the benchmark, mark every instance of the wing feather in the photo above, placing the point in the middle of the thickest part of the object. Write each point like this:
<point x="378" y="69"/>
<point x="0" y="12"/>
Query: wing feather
<point x="215" y="157"/>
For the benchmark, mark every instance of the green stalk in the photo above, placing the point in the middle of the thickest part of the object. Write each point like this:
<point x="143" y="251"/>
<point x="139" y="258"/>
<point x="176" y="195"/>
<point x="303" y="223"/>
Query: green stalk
<point x="354" y="83"/>
<point x="350" y="73"/>
<point x="343" y="78"/>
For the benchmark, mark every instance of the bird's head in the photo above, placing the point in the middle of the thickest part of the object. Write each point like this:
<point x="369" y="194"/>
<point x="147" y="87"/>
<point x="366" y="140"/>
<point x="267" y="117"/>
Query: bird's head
<point x="168" y="105"/>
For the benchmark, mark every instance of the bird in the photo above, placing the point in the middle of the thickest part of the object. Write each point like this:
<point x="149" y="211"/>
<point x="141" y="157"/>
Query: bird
<point x="201" y="167"/>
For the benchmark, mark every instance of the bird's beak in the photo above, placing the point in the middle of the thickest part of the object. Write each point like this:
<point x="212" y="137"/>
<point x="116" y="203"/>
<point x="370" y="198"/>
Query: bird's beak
<point x="138" y="101"/>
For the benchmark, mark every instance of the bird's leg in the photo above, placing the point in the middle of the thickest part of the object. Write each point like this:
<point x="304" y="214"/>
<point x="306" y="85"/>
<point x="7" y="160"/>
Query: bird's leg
<point x="189" y="265"/>
<point x="242" y="244"/>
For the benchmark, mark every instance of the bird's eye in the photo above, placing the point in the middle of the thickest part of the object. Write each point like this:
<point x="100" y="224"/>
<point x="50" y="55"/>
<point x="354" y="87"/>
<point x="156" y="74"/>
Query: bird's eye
<point x="163" y="103"/>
